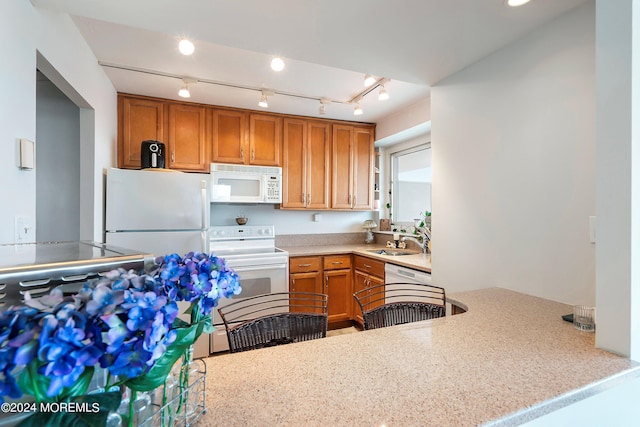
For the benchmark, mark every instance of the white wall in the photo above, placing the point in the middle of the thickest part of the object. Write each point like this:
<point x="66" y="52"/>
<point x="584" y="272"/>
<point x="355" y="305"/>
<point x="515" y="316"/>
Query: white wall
<point x="618" y="180"/>
<point x="25" y="32"/>
<point x="291" y="222"/>
<point x="514" y="169"/>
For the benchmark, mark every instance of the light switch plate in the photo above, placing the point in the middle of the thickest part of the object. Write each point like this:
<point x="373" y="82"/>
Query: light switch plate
<point x="27" y="154"/>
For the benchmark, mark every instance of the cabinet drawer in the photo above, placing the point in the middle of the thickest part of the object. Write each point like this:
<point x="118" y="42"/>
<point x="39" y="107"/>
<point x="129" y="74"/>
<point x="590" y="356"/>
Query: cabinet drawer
<point x="305" y="263"/>
<point x="337" y="262"/>
<point x="369" y="266"/>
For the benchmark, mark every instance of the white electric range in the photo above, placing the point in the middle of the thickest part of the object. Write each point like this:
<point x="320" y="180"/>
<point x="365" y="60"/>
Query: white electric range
<point x="251" y="252"/>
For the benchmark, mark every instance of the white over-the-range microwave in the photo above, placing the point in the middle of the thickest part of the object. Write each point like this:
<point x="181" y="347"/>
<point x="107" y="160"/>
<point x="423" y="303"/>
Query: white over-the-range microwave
<point x="245" y="183"/>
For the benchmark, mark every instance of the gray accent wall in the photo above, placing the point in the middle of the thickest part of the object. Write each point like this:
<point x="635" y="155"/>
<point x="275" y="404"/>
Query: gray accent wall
<point x="57" y="164"/>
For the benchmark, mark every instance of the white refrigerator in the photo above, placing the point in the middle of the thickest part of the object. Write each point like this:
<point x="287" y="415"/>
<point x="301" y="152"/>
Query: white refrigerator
<point x="157" y="211"/>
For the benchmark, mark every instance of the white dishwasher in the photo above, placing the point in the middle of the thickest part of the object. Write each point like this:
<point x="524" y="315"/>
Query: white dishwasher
<point x="396" y="274"/>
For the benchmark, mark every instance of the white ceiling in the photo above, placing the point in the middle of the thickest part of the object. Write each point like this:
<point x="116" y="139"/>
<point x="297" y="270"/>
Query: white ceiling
<point x="327" y="45"/>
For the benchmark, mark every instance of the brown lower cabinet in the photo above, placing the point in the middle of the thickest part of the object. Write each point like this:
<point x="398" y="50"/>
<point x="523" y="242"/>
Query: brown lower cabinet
<point x="367" y="272"/>
<point x="338" y="276"/>
<point x="337" y="285"/>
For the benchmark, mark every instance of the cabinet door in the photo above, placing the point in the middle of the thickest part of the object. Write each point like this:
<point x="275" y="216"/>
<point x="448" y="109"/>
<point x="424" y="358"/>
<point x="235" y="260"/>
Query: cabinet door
<point x="341" y="182"/>
<point x="378" y="298"/>
<point x="360" y="282"/>
<point x="318" y="163"/>
<point x="304" y="282"/>
<point x="188" y="138"/>
<point x="337" y="285"/>
<point x="363" y="159"/>
<point x="229" y="136"/>
<point x="294" y="164"/>
<point x="265" y="140"/>
<point x="139" y="120"/>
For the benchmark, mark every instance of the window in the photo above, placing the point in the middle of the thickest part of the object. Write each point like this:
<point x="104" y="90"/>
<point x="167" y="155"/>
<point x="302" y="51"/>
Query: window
<point x="410" y="183"/>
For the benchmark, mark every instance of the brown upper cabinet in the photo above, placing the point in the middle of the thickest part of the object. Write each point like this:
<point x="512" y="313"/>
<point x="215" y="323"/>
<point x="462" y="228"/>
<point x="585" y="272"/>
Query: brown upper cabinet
<point x="265" y="139"/>
<point x="138" y="120"/>
<point x="189" y="137"/>
<point x="244" y="138"/>
<point x="306" y="161"/>
<point x="229" y="136"/>
<point x="326" y="164"/>
<point x="353" y="166"/>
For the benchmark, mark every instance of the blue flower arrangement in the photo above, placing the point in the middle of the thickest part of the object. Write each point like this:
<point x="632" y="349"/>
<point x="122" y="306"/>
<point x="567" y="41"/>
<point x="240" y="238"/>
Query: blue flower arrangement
<point x="125" y="322"/>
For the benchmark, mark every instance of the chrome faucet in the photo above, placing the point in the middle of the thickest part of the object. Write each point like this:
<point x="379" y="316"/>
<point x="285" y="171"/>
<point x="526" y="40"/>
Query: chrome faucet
<point x="424" y="235"/>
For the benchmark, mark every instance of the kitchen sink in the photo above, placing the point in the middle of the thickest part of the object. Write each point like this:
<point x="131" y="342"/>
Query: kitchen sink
<point x="391" y="252"/>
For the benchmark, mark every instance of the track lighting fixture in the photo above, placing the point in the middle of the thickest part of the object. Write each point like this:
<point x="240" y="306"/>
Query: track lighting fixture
<point x="357" y="111"/>
<point x="263" y="100"/>
<point x="383" y="95"/>
<point x="277" y="64"/>
<point x="369" y="80"/>
<point x="323" y="105"/>
<point x="184" y="90"/>
<point x="186" y="47"/>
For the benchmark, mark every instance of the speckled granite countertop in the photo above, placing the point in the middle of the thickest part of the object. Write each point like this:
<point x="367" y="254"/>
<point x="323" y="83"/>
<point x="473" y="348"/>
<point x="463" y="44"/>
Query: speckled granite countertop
<point x="510" y="353"/>
<point x="418" y="261"/>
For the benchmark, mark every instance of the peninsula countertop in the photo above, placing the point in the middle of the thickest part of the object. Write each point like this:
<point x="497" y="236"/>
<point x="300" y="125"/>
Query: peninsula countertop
<point x="418" y="261"/>
<point x="509" y="353"/>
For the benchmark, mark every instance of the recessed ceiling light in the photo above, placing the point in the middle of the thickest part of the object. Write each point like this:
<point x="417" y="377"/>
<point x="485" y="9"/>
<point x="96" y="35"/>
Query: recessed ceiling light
<point x="277" y="64"/>
<point x="186" y="47"/>
<point x="516" y="3"/>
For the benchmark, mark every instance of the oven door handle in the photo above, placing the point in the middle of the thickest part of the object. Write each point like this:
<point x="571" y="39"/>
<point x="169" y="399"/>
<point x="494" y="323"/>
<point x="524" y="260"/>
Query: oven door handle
<point x="260" y="267"/>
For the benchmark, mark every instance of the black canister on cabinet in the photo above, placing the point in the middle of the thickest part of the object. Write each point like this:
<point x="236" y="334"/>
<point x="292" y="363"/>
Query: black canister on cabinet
<point x="152" y="154"/>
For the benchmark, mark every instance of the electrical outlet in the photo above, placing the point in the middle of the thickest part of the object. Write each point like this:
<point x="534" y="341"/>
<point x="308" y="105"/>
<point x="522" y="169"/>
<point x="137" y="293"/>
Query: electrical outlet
<point x="24" y="231"/>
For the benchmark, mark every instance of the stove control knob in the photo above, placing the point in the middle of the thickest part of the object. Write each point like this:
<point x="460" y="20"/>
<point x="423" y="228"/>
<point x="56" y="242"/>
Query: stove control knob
<point x="265" y="231"/>
<point x="222" y="232"/>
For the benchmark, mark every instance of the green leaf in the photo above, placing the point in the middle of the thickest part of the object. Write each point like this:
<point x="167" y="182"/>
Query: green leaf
<point x="208" y="325"/>
<point x="35" y="384"/>
<point x="161" y="368"/>
<point x="106" y="402"/>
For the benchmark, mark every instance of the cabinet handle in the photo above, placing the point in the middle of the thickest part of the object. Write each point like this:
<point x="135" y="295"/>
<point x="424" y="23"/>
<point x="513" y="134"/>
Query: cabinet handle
<point x="304" y="198"/>
<point x="253" y="154"/>
<point x="173" y="157"/>
<point x="242" y="153"/>
<point x="326" y="282"/>
<point x="308" y="199"/>
<point x="354" y="202"/>
<point x="366" y="266"/>
<point x="293" y="283"/>
<point x="304" y="265"/>
<point x="336" y="262"/>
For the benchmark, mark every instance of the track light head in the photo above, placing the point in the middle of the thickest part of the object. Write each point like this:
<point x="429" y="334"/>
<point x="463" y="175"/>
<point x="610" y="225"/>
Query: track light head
<point x="369" y="80"/>
<point x="184" y="90"/>
<point x="383" y="95"/>
<point x="263" y="100"/>
<point x="357" y="110"/>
